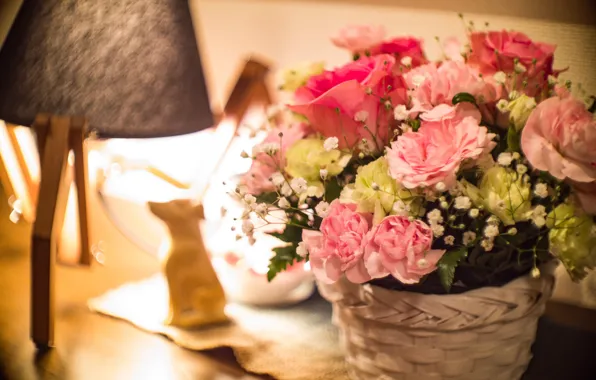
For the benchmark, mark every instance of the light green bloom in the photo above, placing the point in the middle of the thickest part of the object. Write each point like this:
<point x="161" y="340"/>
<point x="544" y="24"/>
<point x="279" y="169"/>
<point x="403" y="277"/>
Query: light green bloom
<point x="572" y="239"/>
<point x="519" y="110"/>
<point x="306" y="157"/>
<point x="504" y="193"/>
<point x="375" y="191"/>
<point x="294" y="78"/>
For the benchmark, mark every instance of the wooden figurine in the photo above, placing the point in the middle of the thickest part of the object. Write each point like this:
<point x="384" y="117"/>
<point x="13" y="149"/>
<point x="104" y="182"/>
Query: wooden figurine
<point x="196" y="295"/>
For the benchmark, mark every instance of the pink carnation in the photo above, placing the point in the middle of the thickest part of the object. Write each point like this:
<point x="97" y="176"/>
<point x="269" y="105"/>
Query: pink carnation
<point x="400" y="48"/>
<point x="437" y="150"/>
<point x="402" y="249"/>
<point x="359" y="38"/>
<point x="560" y="137"/>
<point x="441" y="83"/>
<point x="499" y="50"/>
<point x="332" y="100"/>
<point x="338" y="248"/>
<point x="258" y="178"/>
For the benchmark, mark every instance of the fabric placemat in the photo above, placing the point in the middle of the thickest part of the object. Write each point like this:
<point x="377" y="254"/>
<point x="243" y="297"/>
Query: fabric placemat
<point x="290" y="343"/>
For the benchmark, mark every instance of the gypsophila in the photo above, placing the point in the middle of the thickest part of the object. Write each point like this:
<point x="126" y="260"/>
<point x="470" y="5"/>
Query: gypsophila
<point x="422" y="263"/>
<point x="400" y="208"/>
<point x="283" y="202"/>
<point x="322" y="209"/>
<point x="440" y="186"/>
<point x="361" y="116"/>
<point x="286" y="190"/>
<point x="493" y="219"/>
<point x="538" y="216"/>
<point x="323" y="173"/>
<point x="247" y="227"/>
<point x="500" y="77"/>
<point x="270" y="148"/>
<point x="514" y="95"/>
<point x="487" y="244"/>
<point x="437" y="230"/>
<point x="405" y="128"/>
<point x="519" y="68"/>
<point x="261" y="209"/>
<point x="473" y="213"/>
<point x="278" y="179"/>
<point x="541" y="190"/>
<point x="434" y="216"/>
<point x="491" y="231"/>
<point x="301" y="249"/>
<point x="521" y="169"/>
<point x="243" y="154"/>
<point x="505" y="159"/>
<point x="502" y="105"/>
<point x="462" y="203"/>
<point x="449" y="240"/>
<point x="469" y="237"/>
<point x="299" y="185"/>
<point x="444" y="205"/>
<point x="535" y="273"/>
<point x="331" y="143"/>
<point x="512" y="231"/>
<point x="249" y="199"/>
<point x="406" y="61"/>
<point x="400" y="112"/>
<point x="515" y="155"/>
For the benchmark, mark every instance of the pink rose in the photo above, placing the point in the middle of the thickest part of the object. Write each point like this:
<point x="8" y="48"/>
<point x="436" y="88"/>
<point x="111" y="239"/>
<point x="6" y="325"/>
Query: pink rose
<point x="585" y="194"/>
<point x="440" y="84"/>
<point x="560" y="137"/>
<point x="338" y="247"/>
<point x="400" y="248"/>
<point x="335" y="101"/>
<point x="437" y="150"/>
<point x="400" y="48"/>
<point x="359" y="38"/>
<point x="258" y="178"/>
<point x="498" y="51"/>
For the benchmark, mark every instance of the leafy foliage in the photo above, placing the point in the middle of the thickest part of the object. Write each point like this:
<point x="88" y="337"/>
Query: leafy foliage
<point x="446" y="266"/>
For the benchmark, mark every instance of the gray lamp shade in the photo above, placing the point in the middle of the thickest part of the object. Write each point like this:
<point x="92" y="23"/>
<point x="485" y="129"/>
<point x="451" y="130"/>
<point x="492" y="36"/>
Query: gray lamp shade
<point x="132" y="67"/>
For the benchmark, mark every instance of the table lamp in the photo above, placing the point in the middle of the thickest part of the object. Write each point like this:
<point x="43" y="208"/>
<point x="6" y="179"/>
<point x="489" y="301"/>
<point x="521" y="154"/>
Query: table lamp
<point x="111" y="68"/>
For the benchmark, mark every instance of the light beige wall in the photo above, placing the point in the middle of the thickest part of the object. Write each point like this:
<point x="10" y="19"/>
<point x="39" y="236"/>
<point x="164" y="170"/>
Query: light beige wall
<point x="292" y="31"/>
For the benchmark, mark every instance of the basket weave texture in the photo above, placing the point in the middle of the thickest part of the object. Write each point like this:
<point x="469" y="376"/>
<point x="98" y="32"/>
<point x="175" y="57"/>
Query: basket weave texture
<point x="482" y="334"/>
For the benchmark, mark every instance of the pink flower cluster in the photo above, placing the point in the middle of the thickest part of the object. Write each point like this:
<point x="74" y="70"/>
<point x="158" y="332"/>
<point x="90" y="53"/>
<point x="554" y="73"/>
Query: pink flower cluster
<point x="348" y="244"/>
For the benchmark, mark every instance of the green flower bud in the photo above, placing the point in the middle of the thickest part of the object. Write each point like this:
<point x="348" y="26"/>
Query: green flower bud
<point x="519" y="110"/>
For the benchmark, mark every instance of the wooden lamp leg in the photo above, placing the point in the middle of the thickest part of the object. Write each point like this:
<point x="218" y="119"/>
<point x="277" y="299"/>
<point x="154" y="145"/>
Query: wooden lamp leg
<point x="57" y="135"/>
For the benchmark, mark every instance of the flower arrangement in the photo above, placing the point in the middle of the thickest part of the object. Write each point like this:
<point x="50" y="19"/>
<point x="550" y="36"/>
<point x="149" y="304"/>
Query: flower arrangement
<point x="428" y="176"/>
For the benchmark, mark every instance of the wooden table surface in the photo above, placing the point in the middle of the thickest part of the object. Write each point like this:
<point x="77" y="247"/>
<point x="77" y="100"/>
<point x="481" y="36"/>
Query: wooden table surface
<point x="90" y="346"/>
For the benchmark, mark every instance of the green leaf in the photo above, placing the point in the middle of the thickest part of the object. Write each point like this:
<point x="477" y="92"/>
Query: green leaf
<point x="513" y="140"/>
<point x="291" y="234"/>
<point x="447" y="265"/>
<point x="332" y="190"/>
<point x="284" y="256"/>
<point x="268" y="198"/>
<point x="463" y="97"/>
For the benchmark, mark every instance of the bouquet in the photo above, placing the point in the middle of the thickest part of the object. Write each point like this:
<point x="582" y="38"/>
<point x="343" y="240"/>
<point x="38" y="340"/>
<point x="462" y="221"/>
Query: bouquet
<point x="425" y="176"/>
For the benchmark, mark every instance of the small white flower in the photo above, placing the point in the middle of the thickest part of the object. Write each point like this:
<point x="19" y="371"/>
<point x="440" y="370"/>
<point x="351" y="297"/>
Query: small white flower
<point x="494" y="220"/>
<point x="491" y="231"/>
<point x="444" y="205"/>
<point x="440" y="186"/>
<point x="286" y="190"/>
<point x="315" y="191"/>
<point x="278" y="179"/>
<point x="487" y="244"/>
<point x="512" y="231"/>
<point x="261" y="209"/>
<point x="469" y="237"/>
<point x="323" y="174"/>
<point x="241" y="190"/>
<point x="552" y="80"/>
<point x="283" y="202"/>
<point x="541" y="190"/>
<point x="400" y="112"/>
<point x="449" y="239"/>
<point x="249" y="199"/>
<point x="539" y="221"/>
<point x="252" y="240"/>
<point x="434" y="217"/>
<point x="331" y="143"/>
<point x="474" y="213"/>
<point x="422" y="263"/>
<point x="437" y="230"/>
<point x="301" y="249"/>
<point x="405" y="128"/>
<point x="515" y="155"/>
<point x="374" y="186"/>
<point x="406" y="61"/>
<point x="521" y="169"/>
<point x="247" y="227"/>
<point x="462" y="203"/>
<point x="322" y="209"/>
<point x="519" y="68"/>
<point x="535" y="273"/>
<point x="361" y="116"/>
<point x="418" y="79"/>
<point x="538" y="216"/>
<point x="514" y="95"/>
<point x="270" y="148"/>
<point x="299" y="185"/>
<point x="400" y="208"/>
<point x="500" y="77"/>
<point x="504" y="159"/>
<point x="502" y="105"/>
<point x="243" y="154"/>
<point x="368" y="90"/>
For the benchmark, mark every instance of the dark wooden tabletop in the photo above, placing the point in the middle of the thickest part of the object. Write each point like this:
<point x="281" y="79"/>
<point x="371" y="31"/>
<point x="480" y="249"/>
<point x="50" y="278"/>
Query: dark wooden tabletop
<point x="90" y="346"/>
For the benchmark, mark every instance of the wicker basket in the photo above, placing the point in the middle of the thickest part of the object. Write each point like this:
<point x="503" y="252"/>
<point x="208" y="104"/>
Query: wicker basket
<point x="482" y="334"/>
